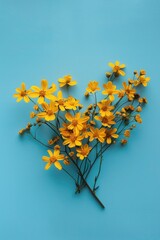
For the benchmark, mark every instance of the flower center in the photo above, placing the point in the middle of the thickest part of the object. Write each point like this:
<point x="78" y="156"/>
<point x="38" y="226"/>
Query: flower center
<point x="84" y="152"/>
<point x="116" y="68"/>
<point x="61" y="102"/>
<point x="73" y="138"/>
<point x="104" y="108"/>
<point x="49" y="112"/>
<point x="105" y="120"/>
<point x="42" y="93"/>
<point x="95" y="134"/>
<point x="68" y="79"/>
<point x="74" y="122"/>
<point x="23" y="93"/>
<point x="53" y="159"/>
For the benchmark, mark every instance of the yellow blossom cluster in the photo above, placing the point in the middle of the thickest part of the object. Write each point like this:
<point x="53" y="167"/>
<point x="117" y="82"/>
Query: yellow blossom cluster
<point x="81" y="134"/>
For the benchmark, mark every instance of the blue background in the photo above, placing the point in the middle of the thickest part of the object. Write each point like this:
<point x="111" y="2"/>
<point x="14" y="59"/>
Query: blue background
<point x="48" y="39"/>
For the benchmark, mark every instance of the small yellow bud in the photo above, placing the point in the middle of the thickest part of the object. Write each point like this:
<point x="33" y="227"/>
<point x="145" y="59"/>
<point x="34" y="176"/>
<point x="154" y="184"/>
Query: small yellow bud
<point x="138" y="118"/>
<point x="32" y="114"/>
<point x="92" y="122"/>
<point x="90" y="107"/>
<point x="38" y="120"/>
<point x="139" y="109"/>
<point x="21" y="131"/>
<point x="127" y="133"/>
<point x="35" y="107"/>
<point x="124" y="141"/>
<point x="50" y="142"/>
<point x="142" y="72"/>
<point x="71" y="154"/>
<point x="108" y="74"/>
<point x="57" y="147"/>
<point x="66" y="161"/>
<point x="135" y="72"/>
<point x="86" y="94"/>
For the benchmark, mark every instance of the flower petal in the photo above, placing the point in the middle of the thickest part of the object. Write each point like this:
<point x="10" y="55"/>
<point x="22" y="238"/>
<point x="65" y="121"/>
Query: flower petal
<point x="117" y="63"/>
<point x="110" y="64"/>
<point x="35" y="88"/>
<point x="58" y="165"/>
<point x="45" y="158"/>
<point x="72" y="83"/>
<point x="121" y="72"/>
<point x="50" y="153"/>
<point x="44" y="84"/>
<point x="48" y="165"/>
<point x="69" y="117"/>
<point x="122" y="66"/>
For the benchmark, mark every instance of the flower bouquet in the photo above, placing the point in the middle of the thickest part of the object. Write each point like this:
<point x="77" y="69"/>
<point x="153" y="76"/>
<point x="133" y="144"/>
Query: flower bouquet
<point x="80" y="135"/>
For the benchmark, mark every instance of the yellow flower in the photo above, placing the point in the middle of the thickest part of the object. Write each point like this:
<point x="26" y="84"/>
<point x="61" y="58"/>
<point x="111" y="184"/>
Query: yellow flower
<point x="110" y="90"/>
<point x="72" y="140"/>
<point x="127" y="133"/>
<point x="92" y="87"/>
<point x="129" y="91"/>
<point x="22" y="93"/>
<point x="138" y="118"/>
<point x="83" y="151"/>
<point x="54" y="158"/>
<point x="111" y="133"/>
<point x="49" y="111"/>
<point x="72" y="103"/>
<point x="43" y="92"/>
<point x="76" y="122"/>
<point x="117" y="68"/>
<point x="96" y="133"/>
<point x="105" y="107"/>
<point x="106" y="121"/>
<point x="144" y="80"/>
<point x="60" y="101"/>
<point x="66" y="81"/>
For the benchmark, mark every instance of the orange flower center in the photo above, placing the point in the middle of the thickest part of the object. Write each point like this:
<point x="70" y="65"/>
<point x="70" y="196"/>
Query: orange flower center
<point x="74" y="122"/>
<point x="104" y="108"/>
<point x="84" y="152"/>
<point x="105" y="120"/>
<point x="68" y="79"/>
<point x="53" y="159"/>
<point x="49" y="112"/>
<point x="42" y="93"/>
<point x="108" y="135"/>
<point x="96" y="135"/>
<point x="23" y="93"/>
<point x="116" y="68"/>
<point x="73" y="138"/>
<point x="61" y="102"/>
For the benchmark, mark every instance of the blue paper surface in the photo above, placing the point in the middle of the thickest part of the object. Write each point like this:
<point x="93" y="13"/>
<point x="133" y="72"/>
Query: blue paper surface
<point x="49" y="39"/>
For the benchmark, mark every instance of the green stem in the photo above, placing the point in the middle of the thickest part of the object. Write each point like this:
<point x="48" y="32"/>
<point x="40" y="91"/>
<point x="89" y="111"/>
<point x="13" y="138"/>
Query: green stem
<point x="99" y="170"/>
